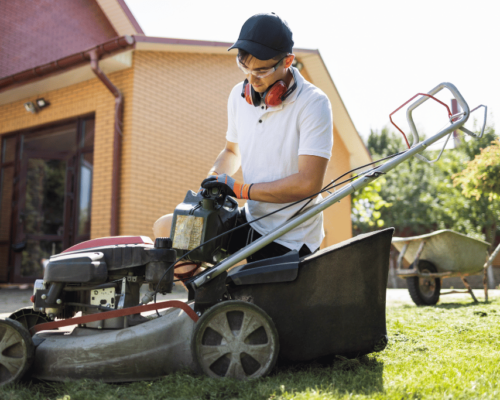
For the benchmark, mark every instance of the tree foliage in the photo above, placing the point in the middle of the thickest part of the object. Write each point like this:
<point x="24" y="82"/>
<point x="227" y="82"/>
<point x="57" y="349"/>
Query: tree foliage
<point x="481" y="177"/>
<point x="418" y="198"/>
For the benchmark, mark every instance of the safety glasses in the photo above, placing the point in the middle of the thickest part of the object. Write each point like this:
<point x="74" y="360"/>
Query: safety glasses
<point x="259" y="73"/>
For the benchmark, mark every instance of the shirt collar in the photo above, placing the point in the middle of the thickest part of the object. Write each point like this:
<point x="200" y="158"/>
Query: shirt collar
<point x="300" y="82"/>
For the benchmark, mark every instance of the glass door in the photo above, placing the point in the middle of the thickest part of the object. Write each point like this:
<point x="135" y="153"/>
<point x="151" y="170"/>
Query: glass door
<point x="41" y="224"/>
<point x="45" y="196"/>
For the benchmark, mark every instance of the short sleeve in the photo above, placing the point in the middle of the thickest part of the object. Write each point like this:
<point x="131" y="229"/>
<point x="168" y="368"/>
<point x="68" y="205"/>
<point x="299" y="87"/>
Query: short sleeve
<point x="232" y="132"/>
<point x="316" y="128"/>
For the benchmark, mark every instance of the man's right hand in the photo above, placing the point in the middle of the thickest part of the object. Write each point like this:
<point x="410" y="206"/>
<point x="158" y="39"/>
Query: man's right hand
<point x="222" y="182"/>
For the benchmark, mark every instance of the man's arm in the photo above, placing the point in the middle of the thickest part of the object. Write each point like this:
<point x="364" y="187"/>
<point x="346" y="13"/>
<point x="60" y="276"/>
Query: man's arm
<point x="228" y="161"/>
<point x="306" y="182"/>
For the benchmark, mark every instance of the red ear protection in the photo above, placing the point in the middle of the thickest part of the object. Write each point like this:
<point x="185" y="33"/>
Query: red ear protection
<point x="273" y="96"/>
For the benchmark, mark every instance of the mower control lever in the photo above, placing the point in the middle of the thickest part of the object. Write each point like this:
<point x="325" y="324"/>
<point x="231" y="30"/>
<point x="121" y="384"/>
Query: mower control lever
<point x="468" y="132"/>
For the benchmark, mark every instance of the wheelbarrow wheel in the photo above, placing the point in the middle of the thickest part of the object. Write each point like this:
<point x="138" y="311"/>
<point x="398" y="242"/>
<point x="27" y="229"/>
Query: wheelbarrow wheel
<point x="28" y="317"/>
<point x="235" y="339"/>
<point x="424" y="291"/>
<point x="17" y="351"/>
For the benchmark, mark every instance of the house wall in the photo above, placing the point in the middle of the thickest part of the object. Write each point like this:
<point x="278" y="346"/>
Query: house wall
<point x="179" y="121"/>
<point x="77" y="100"/>
<point x="338" y="226"/>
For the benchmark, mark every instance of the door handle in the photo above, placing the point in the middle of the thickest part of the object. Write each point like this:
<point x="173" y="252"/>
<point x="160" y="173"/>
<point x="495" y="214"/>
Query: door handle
<point x="18" y="247"/>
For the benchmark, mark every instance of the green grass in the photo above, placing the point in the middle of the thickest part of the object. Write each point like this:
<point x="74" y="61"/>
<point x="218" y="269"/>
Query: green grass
<point x="451" y="351"/>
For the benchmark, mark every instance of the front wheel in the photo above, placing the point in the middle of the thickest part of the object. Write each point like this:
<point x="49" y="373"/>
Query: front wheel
<point x="424" y="291"/>
<point x="235" y="339"/>
<point x="17" y="351"/>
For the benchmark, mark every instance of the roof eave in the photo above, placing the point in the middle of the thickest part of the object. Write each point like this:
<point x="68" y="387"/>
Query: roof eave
<point x="153" y="43"/>
<point x="106" y="49"/>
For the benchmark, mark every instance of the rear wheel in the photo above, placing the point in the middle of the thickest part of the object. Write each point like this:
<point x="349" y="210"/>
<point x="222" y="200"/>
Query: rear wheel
<point x="424" y="291"/>
<point x="235" y="339"/>
<point x="17" y="351"/>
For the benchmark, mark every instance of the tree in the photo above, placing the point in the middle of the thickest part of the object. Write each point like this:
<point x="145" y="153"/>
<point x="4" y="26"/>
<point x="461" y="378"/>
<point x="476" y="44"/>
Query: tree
<point x="481" y="177"/>
<point x="481" y="180"/>
<point x="419" y="197"/>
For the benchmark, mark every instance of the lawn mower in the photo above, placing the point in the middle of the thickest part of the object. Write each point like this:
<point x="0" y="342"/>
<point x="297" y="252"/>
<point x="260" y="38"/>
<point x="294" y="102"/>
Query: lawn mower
<point x="236" y="323"/>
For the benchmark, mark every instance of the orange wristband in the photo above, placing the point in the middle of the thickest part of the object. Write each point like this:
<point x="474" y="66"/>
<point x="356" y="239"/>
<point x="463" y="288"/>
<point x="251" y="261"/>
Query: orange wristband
<point x="241" y="190"/>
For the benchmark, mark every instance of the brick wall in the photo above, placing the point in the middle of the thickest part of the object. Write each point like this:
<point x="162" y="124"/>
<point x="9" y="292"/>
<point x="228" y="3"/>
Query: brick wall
<point x="81" y="99"/>
<point x="337" y="223"/>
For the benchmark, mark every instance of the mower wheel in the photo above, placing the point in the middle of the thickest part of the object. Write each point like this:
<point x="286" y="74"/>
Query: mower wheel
<point x="28" y="317"/>
<point x="235" y="339"/>
<point x="424" y="291"/>
<point x="17" y="351"/>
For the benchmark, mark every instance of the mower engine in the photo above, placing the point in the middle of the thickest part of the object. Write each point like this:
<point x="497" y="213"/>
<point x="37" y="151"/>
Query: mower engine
<point x="102" y="275"/>
<point x="107" y="274"/>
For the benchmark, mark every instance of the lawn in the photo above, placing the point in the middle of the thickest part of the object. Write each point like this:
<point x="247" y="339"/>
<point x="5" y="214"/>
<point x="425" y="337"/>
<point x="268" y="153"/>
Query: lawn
<point x="450" y="351"/>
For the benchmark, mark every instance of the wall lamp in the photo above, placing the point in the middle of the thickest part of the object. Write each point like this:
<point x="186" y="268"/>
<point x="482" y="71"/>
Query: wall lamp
<point x="298" y="64"/>
<point x="38" y="104"/>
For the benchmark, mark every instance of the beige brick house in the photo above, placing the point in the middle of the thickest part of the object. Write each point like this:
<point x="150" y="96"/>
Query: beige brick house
<point x="123" y="125"/>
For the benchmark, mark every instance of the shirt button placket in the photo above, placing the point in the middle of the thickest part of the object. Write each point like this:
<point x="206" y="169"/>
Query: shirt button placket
<point x="261" y="118"/>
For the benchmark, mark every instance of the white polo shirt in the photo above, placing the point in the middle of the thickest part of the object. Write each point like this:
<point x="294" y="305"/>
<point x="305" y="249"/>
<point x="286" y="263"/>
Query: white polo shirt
<point x="270" y="141"/>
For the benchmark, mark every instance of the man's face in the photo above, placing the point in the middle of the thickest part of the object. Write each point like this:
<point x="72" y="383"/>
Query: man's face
<point x="260" y="85"/>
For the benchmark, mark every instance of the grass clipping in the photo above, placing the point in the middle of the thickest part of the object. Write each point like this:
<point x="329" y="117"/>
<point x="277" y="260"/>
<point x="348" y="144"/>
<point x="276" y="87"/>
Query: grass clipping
<point x="450" y="351"/>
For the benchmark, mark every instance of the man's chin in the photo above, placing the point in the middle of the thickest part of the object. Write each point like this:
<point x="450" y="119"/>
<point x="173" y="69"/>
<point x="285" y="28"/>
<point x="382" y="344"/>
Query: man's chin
<point x="259" y="89"/>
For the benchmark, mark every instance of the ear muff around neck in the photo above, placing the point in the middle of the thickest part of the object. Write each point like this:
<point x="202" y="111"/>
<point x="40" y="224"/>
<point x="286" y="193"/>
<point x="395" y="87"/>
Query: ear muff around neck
<point x="273" y="96"/>
<point x="250" y="95"/>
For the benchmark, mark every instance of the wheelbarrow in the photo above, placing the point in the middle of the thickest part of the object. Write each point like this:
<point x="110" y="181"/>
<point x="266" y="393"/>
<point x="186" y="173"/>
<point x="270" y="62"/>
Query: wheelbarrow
<point x="236" y="323"/>
<point x="438" y="255"/>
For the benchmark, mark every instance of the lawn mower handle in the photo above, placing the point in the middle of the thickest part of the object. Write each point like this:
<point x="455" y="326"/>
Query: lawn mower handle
<point x="210" y="273"/>
<point x="423" y="99"/>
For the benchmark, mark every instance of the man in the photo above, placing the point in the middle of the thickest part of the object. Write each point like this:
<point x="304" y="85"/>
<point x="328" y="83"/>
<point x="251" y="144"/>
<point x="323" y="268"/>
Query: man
<point x="280" y="132"/>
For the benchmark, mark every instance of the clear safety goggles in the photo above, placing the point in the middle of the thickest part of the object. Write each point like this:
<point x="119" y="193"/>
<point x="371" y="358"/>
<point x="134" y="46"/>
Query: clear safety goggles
<point x="260" y="73"/>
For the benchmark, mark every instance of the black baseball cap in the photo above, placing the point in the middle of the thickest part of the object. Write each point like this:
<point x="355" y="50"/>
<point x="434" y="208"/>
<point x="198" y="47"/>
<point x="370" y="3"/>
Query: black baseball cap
<point x="265" y="36"/>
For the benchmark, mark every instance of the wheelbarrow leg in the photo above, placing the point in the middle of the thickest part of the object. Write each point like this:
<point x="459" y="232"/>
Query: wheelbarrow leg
<point x="468" y="288"/>
<point x="485" y="284"/>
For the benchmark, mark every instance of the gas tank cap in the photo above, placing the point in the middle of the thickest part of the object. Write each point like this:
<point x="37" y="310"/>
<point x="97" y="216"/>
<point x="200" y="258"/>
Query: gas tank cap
<point x="163" y="243"/>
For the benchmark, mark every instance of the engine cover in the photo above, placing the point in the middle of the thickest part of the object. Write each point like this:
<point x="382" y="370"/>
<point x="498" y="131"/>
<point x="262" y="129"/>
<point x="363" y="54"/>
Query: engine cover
<point x="78" y="268"/>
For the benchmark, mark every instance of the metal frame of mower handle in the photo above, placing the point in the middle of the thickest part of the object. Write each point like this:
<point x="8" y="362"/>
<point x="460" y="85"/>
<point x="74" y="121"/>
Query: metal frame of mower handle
<point x="417" y="147"/>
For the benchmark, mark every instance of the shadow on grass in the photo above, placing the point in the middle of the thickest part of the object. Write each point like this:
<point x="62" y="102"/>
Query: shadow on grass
<point x="460" y="305"/>
<point x="449" y="306"/>
<point x="362" y="375"/>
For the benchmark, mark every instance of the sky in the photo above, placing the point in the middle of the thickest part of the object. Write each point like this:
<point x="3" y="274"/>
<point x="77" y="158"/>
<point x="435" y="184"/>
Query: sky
<point x="378" y="53"/>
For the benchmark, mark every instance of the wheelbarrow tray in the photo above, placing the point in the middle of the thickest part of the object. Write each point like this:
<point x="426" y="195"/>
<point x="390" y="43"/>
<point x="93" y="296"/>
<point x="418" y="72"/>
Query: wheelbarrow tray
<point x="336" y="304"/>
<point x="449" y="251"/>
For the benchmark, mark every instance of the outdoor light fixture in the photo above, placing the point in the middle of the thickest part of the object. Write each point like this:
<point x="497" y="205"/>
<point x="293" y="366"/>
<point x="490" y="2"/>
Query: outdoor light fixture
<point x="42" y="103"/>
<point x="34" y="107"/>
<point x="298" y="64"/>
<point x="30" y="107"/>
